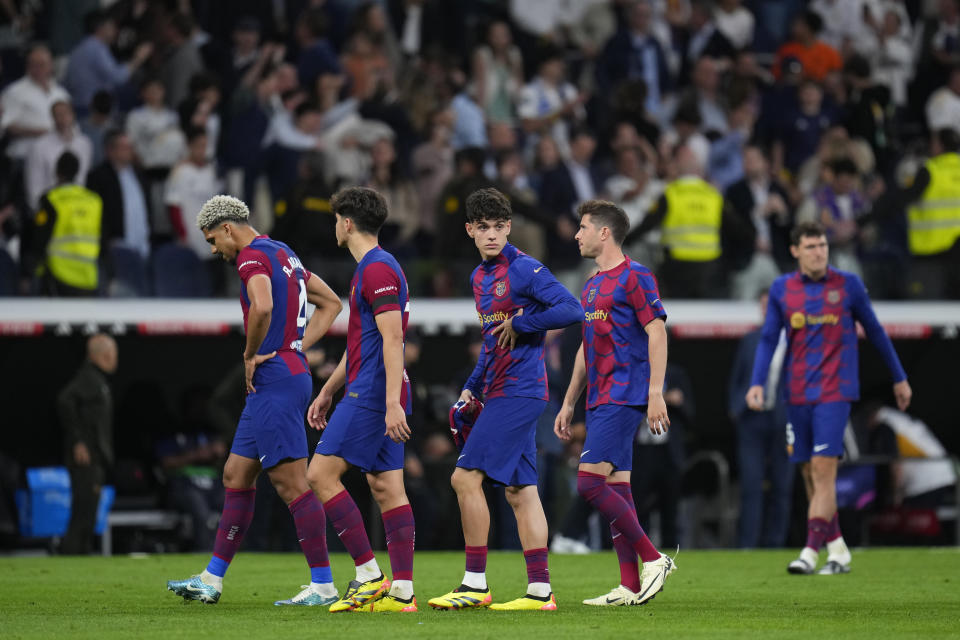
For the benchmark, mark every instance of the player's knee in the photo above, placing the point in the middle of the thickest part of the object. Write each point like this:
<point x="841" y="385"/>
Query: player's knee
<point x="463" y="481"/>
<point x="314" y="478"/>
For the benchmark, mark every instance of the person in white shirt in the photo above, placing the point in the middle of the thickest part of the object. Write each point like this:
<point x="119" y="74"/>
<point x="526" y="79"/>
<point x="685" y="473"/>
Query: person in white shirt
<point x="943" y="107"/>
<point x="26" y="103"/>
<point x="635" y="189"/>
<point x="190" y="185"/>
<point x="40" y="168"/>
<point x="887" y="46"/>
<point x="735" y="22"/>
<point x="843" y="21"/>
<point x="155" y="129"/>
<point x="548" y="104"/>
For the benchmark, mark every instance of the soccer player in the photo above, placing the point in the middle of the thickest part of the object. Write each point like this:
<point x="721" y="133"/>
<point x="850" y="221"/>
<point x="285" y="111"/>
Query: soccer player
<point x="369" y="426"/>
<point x="622" y="363"/>
<point x="818" y="306"/>
<point x="518" y="300"/>
<point x="274" y="292"/>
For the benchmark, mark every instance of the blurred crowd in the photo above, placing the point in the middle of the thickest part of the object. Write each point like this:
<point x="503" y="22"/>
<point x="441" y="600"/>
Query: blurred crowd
<point x="715" y="125"/>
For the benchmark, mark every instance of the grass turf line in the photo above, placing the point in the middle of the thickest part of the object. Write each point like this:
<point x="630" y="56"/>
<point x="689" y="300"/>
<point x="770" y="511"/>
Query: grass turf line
<point x="904" y="592"/>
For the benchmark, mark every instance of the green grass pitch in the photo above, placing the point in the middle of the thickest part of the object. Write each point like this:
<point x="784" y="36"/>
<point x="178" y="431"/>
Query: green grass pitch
<point x="899" y="593"/>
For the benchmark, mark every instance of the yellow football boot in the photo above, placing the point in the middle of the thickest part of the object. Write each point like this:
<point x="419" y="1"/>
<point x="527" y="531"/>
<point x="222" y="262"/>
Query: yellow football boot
<point x="527" y="603"/>
<point x="361" y="593"/>
<point x="463" y="597"/>
<point x="388" y="602"/>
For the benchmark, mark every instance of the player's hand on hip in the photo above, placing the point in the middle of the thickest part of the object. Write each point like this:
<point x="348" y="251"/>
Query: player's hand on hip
<point x="657" y="418"/>
<point x="396" y="420"/>
<point x="903" y="393"/>
<point x="506" y="335"/>
<point x="317" y="413"/>
<point x="755" y="397"/>
<point x="250" y="367"/>
<point x="561" y="425"/>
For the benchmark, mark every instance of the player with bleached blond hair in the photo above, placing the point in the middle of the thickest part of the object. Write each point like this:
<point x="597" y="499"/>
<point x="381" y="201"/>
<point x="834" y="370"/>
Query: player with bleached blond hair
<point x="274" y="292"/>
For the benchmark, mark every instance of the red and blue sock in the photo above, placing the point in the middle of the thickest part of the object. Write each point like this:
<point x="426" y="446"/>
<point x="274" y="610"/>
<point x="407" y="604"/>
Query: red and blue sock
<point x="622" y="516"/>
<point x="234" y="522"/>
<point x="311" y="526"/>
<point x="346" y="519"/>
<point x="817" y="531"/>
<point x="834" y="532"/>
<point x="537" y="570"/>
<point x="400" y="532"/>
<point x="627" y="556"/>
<point x="476" y="559"/>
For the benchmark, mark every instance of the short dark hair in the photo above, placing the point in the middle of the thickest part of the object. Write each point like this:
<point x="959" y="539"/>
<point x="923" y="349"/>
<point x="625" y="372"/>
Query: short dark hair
<point x="806" y="230"/>
<point x="102" y="102"/>
<point x="111" y="136"/>
<point x="363" y="205"/>
<point x="604" y="213"/>
<point x="93" y="20"/>
<point x="68" y="166"/>
<point x="487" y="204"/>
<point x="813" y="20"/>
<point x="949" y="139"/>
<point x="193" y="132"/>
<point x="844" y="166"/>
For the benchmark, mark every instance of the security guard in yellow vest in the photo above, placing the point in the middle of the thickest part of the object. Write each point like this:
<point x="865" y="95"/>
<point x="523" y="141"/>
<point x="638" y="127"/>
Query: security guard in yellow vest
<point x="693" y="222"/>
<point x="65" y="247"/>
<point x="932" y="203"/>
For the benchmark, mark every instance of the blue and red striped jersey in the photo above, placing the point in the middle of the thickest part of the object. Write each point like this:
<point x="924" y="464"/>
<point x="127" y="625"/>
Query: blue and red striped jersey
<point x="502" y="287"/>
<point x="378" y="286"/>
<point x="288" y="282"/>
<point x="820" y="317"/>
<point x="618" y="304"/>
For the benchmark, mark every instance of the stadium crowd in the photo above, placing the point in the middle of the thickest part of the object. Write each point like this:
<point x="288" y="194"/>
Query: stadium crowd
<point x="755" y="114"/>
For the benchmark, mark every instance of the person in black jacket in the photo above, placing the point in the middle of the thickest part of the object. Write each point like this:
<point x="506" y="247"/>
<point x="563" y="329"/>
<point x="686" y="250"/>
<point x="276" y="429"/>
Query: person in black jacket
<point x="86" y="416"/>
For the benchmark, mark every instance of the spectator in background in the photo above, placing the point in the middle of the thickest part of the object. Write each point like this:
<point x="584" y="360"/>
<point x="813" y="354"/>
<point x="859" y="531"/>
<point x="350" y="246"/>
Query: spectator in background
<point x="869" y="113"/>
<point x="802" y="128"/>
<point x="843" y="22"/>
<point x="938" y="51"/>
<point x="25" y="105"/>
<point x="700" y="38"/>
<point x="726" y="152"/>
<point x="154" y="130"/>
<point x="66" y="236"/>
<point x="433" y="166"/>
<point x="181" y="59"/>
<point x="761" y="446"/>
<point x="85" y="407"/>
<point x="549" y="105"/>
<point x="316" y="55"/>
<point x="817" y="57"/>
<point x="97" y="123"/>
<point x="634" y="53"/>
<point x="760" y="202"/>
<point x="497" y="74"/>
<point x="93" y="68"/>
<point x="365" y="65"/>
<point x="889" y="50"/>
<point x="39" y="173"/>
<point x="190" y="185"/>
<point x="200" y="109"/>
<point x="839" y="205"/>
<point x="126" y="213"/>
<point x="469" y="125"/>
<point x="943" y="107"/>
<point x="371" y="20"/>
<point x="401" y="234"/>
<point x="635" y="189"/>
<point x="234" y="63"/>
<point x="704" y="92"/>
<point x="735" y="22"/>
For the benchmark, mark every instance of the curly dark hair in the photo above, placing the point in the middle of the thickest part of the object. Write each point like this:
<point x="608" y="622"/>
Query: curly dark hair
<point x="363" y="205"/>
<point x="806" y="230"/>
<point x="604" y="213"/>
<point x="487" y="204"/>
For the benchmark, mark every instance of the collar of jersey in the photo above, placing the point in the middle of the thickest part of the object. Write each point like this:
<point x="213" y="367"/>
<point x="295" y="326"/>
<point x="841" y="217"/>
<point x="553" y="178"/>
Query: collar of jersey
<point x="507" y="254"/>
<point x="826" y="276"/>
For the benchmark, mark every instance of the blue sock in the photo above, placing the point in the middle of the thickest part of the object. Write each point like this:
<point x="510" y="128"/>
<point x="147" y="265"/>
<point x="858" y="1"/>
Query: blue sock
<point x="321" y="575"/>
<point x="218" y="566"/>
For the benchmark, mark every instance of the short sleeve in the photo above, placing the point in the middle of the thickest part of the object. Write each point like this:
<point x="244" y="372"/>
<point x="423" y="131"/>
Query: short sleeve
<point x="251" y="262"/>
<point x="381" y="288"/>
<point x="645" y="298"/>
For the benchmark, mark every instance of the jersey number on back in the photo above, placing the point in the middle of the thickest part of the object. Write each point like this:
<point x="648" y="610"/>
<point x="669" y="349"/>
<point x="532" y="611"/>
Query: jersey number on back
<point x="302" y="313"/>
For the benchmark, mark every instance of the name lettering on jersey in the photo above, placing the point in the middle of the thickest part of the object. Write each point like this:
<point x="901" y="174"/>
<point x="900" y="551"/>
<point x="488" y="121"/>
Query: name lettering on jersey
<point x="295" y="264"/>
<point x="799" y="320"/>
<point x="599" y="314"/>
<point x="385" y="289"/>
<point x="248" y="263"/>
<point x="496" y="316"/>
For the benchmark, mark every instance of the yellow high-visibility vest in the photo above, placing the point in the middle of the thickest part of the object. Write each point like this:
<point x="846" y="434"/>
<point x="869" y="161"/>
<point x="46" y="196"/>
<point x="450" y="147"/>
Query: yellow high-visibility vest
<point x="75" y="241"/>
<point x="691" y="229"/>
<point x="934" y="221"/>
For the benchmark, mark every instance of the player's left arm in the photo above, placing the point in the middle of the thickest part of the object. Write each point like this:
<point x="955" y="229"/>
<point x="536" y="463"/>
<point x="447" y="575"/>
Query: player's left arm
<point x="328" y="307"/>
<point x="535" y="281"/>
<point x="260" y="293"/>
<point x="390" y="325"/>
<point x="657" y="418"/>
<point x="863" y="312"/>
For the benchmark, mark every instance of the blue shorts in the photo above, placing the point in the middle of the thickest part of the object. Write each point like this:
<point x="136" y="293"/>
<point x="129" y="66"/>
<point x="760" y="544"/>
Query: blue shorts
<point x="611" y="429"/>
<point x="503" y="441"/>
<point x="358" y="435"/>
<point x="816" y="429"/>
<point x="271" y="427"/>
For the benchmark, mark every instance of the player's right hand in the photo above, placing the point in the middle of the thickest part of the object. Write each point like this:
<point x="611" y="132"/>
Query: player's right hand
<point x="561" y="426"/>
<point x="317" y="413"/>
<point x="755" y="397"/>
<point x="396" y="420"/>
<point x="466" y="395"/>
<point x="250" y="367"/>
